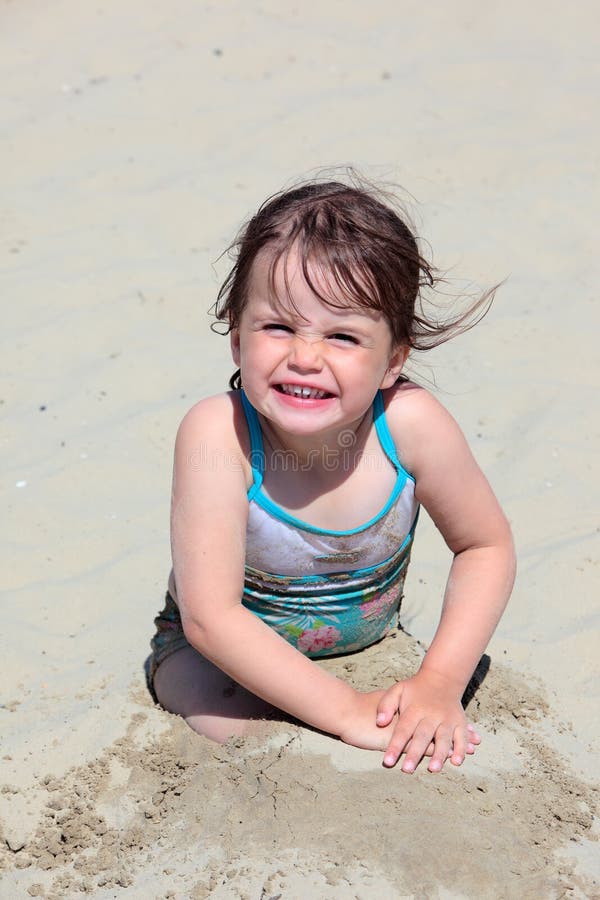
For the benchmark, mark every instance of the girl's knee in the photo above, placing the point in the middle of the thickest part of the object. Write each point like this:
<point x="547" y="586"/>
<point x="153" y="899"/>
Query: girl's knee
<point x="207" y="699"/>
<point x="219" y="728"/>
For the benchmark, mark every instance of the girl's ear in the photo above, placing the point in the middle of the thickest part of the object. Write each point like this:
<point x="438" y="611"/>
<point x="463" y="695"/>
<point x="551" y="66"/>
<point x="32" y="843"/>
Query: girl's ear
<point x="234" y="343"/>
<point x="395" y="366"/>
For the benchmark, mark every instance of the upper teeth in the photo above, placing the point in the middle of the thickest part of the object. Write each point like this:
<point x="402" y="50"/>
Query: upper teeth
<point x="305" y="392"/>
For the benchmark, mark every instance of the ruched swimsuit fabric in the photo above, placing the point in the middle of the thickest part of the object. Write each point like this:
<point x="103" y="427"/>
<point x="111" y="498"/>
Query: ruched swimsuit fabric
<point x="327" y="592"/>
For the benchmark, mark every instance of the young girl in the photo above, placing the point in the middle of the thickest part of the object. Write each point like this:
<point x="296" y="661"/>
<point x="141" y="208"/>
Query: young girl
<point x="296" y="494"/>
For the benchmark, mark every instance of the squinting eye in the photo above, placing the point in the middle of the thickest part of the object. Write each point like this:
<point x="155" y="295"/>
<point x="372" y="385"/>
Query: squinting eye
<point x="346" y="338"/>
<point x="277" y="326"/>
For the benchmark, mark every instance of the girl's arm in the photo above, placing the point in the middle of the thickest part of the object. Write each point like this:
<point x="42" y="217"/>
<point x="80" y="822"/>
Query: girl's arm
<point x="208" y="528"/>
<point x="457" y="496"/>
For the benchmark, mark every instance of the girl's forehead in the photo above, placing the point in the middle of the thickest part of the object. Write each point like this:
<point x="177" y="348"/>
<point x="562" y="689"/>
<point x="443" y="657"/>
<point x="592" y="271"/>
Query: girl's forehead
<point x="302" y="309"/>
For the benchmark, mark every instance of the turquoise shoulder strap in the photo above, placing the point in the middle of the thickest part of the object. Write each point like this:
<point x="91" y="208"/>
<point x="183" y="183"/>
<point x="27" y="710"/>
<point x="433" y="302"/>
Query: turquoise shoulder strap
<point x="257" y="453"/>
<point x="383" y="432"/>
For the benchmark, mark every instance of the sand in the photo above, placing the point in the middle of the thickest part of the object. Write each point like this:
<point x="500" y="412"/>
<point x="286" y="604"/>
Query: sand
<point x="134" y="140"/>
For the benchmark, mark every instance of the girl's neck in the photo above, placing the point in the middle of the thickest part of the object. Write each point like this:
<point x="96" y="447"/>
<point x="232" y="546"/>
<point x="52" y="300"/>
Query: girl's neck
<point x="318" y="452"/>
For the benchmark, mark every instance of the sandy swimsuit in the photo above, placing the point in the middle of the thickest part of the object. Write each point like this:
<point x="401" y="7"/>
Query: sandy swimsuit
<point x="326" y="592"/>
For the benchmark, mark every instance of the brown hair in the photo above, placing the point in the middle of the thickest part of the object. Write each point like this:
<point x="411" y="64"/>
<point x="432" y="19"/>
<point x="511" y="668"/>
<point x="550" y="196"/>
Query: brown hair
<point x="361" y="244"/>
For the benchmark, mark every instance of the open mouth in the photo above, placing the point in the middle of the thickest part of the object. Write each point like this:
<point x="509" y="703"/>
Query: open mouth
<point x="302" y="393"/>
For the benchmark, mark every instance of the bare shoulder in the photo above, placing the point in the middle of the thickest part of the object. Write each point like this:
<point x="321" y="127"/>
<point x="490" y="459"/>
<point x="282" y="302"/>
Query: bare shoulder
<point x="411" y="401"/>
<point x="216" y="414"/>
<point x="420" y="425"/>
<point x="213" y="436"/>
<point x="449" y="482"/>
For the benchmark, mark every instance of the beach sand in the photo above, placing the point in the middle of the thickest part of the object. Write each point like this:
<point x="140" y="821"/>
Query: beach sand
<point x="135" y="138"/>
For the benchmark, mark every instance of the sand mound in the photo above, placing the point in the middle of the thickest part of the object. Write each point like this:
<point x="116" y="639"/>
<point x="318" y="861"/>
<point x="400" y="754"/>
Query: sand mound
<point x="295" y="813"/>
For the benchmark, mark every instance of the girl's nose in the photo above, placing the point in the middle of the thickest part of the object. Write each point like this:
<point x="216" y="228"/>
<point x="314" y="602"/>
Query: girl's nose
<point x="305" y="353"/>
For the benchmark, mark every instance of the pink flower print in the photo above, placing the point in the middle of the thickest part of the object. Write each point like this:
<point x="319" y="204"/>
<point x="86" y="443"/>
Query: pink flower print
<point x="323" y="638"/>
<point x="380" y="604"/>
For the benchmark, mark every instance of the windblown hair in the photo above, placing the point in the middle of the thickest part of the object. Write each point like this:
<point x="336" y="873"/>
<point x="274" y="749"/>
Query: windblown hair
<point x="361" y="250"/>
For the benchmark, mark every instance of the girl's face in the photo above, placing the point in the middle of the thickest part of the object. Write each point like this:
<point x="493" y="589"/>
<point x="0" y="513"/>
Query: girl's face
<point x="309" y="368"/>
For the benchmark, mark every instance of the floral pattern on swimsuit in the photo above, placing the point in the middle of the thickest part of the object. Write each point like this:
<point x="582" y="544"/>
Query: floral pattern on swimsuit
<point x="324" y="615"/>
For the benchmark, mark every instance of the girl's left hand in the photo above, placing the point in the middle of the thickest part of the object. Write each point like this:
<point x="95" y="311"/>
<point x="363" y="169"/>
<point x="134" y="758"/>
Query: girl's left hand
<point x="431" y="722"/>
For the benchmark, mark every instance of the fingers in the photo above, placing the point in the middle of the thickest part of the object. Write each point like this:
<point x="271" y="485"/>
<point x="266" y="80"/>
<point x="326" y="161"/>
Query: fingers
<point x="413" y="741"/>
<point x="473" y="741"/>
<point x="460" y="746"/>
<point x="473" y="737"/>
<point x="443" y="748"/>
<point x="446" y="744"/>
<point x="454" y="749"/>
<point x="388" y="705"/>
<point x="420" y="743"/>
<point x="430" y="749"/>
<point x="404" y="734"/>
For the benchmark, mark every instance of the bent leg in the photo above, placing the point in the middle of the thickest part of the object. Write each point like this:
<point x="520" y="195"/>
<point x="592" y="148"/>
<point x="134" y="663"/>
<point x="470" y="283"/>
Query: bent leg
<point x="209" y="700"/>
